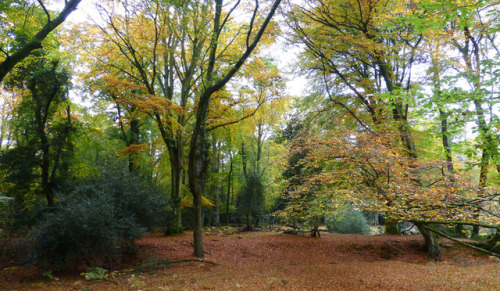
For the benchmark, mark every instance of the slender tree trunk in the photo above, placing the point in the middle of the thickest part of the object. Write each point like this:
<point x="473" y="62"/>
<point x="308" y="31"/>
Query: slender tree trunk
<point x="260" y="137"/>
<point x="249" y="225"/>
<point x="40" y="118"/>
<point x="229" y="178"/>
<point x="483" y="179"/>
<point x="446" y="140"/>
<point x="133" y="140"/>
<point x="214" y="185"/>
<point x="244" y="159"/>
<point x="47" y="189"/>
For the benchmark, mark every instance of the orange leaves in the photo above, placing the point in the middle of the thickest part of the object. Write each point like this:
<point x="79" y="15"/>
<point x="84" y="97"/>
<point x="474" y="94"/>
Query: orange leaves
<point x="134" y="149"/>
<point x="119" y="86"/>
<point x="154" y="104"/>
<point x="372" y="171"/>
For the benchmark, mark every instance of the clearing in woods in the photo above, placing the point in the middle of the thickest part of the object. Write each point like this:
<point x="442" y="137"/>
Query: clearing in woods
<point x="266" y="260"/>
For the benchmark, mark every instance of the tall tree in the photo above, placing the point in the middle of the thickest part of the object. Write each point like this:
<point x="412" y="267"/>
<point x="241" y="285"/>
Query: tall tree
<point x="469" y="31"/>
<point x="193" y="42"/>
<point x="212" y="84"/>
<point x="364" y="55"/>
<point x="44" y="137"/>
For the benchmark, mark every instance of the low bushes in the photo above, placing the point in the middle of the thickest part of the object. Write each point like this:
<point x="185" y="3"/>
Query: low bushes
<point x="96" y="223"/>
<point x="347" y="220"/>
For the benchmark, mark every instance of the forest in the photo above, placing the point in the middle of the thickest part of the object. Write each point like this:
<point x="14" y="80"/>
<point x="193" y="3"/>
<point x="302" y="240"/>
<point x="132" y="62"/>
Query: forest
<point x="175" y="117"/>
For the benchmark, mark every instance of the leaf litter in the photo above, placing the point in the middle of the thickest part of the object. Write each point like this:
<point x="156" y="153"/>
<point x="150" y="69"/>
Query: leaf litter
<point x="269" y="260"/>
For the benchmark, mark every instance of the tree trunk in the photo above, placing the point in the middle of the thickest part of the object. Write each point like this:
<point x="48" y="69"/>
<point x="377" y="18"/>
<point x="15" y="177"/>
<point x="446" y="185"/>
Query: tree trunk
<point x="229" y="178"/>
<point x="46" y="186"/>
<point x="175" y="196"/>
<point x="41" y="114"/>
<point x="249" y="225"/>
<point x="244" y="159"/>
<point x="196" y="170"/>
<point x="446" y="140"/>
<point x="133" y="140"/>
<point x="483" y="178"/>
<point x="431" y="241"/>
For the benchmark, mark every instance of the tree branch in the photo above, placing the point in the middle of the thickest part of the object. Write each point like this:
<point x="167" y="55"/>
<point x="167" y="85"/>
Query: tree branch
<point x="36" y="42"/>
<point x="463" y="243"/>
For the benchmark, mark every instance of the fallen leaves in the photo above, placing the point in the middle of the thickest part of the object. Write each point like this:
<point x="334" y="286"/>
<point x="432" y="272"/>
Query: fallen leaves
<point x="264" y="260"/>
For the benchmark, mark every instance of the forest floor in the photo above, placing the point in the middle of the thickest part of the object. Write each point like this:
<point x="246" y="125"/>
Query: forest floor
<point x="270" y="260"/>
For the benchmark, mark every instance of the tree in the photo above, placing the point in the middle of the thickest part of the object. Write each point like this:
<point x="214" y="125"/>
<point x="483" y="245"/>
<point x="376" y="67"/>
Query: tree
<point x="213" y="84"/>
<point x="250" y="199"/>
<point x="27" y="43"/>
<point x="45" y="82"/>
<point x="467" y="30"/>
<point x="372" y="171"/>
<point x="366" y="68"/>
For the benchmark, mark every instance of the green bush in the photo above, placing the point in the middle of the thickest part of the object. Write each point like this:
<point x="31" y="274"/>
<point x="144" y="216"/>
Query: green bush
<point x="96" y="223"/>
<point x="347" y="220"/>
<point x="88" y="231"/>
<point x="131" y="194"/>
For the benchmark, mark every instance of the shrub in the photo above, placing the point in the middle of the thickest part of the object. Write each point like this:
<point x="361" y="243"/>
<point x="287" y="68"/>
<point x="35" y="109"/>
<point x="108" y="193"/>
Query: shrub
<point x="97" y="222"/>
<point x="129" y="193"/>
<point x="347" y="220"/>
<point x="88" y="231"/>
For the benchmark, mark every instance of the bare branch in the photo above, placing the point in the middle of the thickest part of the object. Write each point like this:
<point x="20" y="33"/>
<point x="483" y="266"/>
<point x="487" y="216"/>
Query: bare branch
<point x="252" y="21"/>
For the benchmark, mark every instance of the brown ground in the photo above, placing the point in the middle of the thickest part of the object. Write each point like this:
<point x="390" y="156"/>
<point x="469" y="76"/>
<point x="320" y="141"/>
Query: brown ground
<point x="264" y="260"/>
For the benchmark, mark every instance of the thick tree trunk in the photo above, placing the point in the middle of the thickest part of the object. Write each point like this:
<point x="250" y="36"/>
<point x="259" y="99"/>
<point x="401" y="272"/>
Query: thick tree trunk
<point x="431" y="241"/>
<point x="196" y="172"/>
<point x="175" y="196"/>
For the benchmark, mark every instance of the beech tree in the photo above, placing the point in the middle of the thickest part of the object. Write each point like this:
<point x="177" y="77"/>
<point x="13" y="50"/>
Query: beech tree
<point x="368" y="63"/>
<point x="469" y="31"/>
<point x="159" y="71"/>
<point x="212" y="84"/>
<point x="361" y="54"/>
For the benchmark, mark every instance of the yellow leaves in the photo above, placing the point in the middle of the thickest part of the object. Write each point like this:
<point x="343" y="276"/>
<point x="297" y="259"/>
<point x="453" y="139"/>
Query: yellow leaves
<point x="187" y="202"/>
<point x="135" y="149"/>
<point x="154" y="104"/>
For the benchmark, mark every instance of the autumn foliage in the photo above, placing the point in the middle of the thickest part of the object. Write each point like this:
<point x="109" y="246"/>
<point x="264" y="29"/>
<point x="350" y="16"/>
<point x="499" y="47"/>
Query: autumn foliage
<point x="372" y="171"/>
